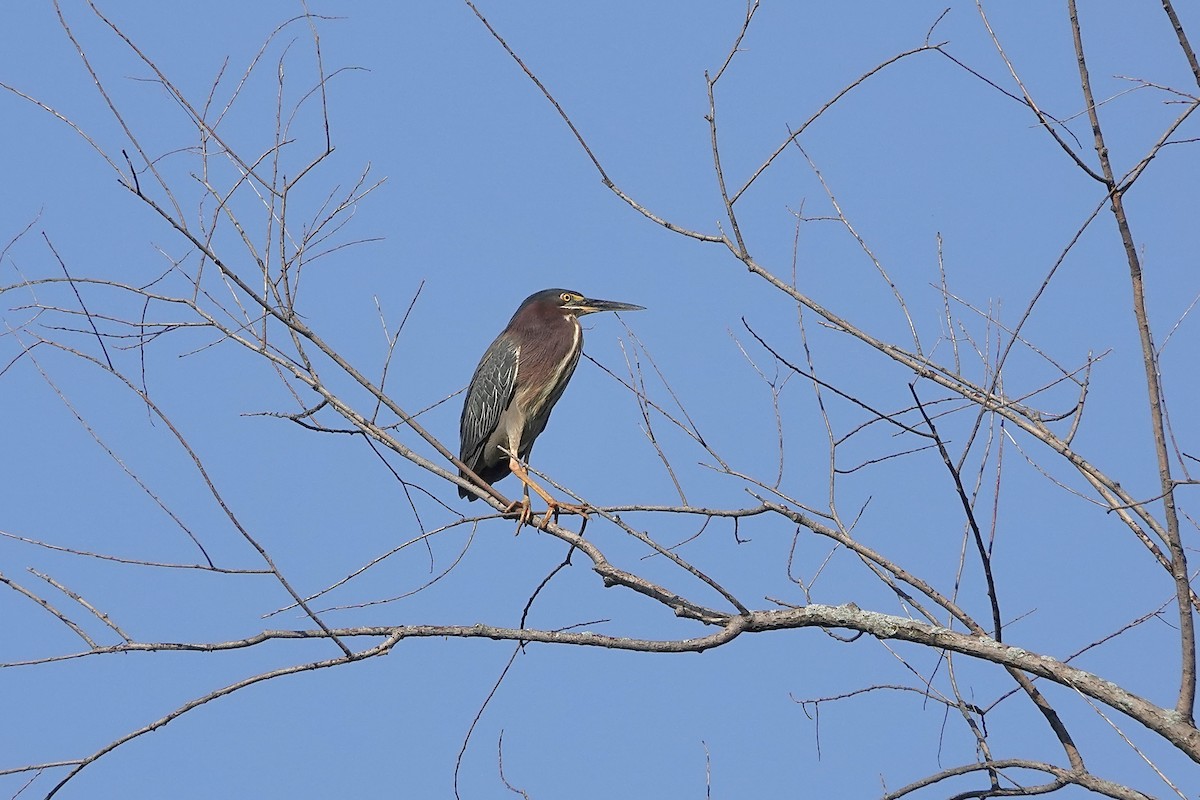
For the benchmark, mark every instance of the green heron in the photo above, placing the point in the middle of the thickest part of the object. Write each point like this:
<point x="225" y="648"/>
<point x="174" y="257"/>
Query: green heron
<point x="517" y="383"/>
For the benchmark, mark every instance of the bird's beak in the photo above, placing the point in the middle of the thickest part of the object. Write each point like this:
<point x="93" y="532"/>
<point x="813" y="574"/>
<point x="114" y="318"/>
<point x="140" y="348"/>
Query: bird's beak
<point x="591" y="306"/>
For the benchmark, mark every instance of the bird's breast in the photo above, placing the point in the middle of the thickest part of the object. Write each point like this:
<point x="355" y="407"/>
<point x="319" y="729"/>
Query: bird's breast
<point x="546" y="365"/>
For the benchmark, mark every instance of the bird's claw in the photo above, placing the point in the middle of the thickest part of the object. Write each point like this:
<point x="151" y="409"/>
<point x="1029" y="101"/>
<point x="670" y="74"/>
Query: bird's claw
<point x="524" y="510"/>
<point x="582" y="509"/>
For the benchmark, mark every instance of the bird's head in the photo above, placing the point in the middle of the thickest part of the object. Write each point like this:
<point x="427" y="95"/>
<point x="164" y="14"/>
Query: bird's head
<point x="568" y="302"/>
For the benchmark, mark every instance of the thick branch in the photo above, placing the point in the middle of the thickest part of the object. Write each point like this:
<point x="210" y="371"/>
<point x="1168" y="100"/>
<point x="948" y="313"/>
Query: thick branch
<point x="1165" y="722"/>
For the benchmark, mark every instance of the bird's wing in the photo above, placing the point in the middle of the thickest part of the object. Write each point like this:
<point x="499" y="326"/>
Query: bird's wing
<point x="490" y="392"/>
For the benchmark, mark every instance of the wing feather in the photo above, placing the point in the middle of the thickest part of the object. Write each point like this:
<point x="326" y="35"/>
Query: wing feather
<point x="490" y="392"/>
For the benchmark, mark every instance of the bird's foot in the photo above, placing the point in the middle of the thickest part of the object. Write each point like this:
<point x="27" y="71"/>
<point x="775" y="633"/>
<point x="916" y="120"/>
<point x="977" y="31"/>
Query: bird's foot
<point x="523" y="510"/>
<point x="582" y="509"/>
<point x="556" y="508"/>
<point x="525" y="516"/>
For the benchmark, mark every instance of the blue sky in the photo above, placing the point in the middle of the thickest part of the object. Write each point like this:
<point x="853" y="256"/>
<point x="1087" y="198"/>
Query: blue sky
<point x="488" y="198"/>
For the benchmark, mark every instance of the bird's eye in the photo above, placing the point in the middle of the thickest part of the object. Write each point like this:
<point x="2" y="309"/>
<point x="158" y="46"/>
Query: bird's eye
<point x="566" y="297"/>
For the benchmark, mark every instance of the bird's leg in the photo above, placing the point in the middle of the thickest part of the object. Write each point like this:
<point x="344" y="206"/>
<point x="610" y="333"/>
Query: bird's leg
<point x="526" y="506"/>
<point x="526" y="510"/>
<point x="523" y="504"/>
<point x="553" y="506"/>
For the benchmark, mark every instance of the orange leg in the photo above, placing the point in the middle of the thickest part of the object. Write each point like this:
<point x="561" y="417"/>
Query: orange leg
<point x="554" y="508"/>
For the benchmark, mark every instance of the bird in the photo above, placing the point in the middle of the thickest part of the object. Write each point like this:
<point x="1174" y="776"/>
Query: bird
<point x="519" y="379"/>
